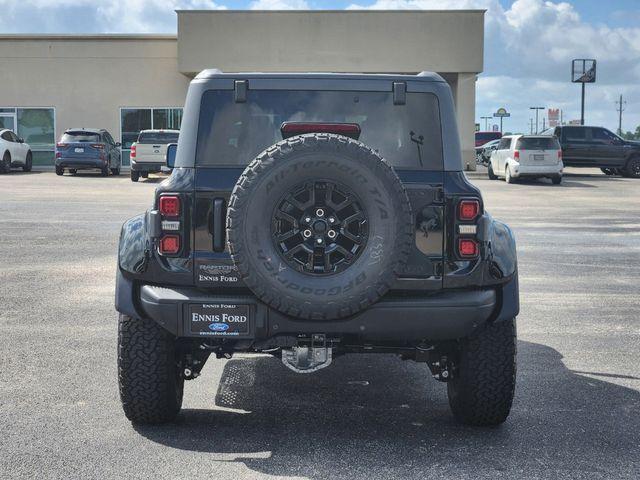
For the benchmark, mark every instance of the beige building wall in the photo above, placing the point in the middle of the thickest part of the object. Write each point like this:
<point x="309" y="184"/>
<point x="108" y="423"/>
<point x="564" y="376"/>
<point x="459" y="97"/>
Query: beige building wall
<point x="449" y="42"/>
<point x="88" y="78"/>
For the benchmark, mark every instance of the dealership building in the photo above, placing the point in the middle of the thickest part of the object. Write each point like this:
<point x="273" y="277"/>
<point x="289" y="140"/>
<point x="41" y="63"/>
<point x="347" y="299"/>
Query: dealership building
<point x="127" y="83"/>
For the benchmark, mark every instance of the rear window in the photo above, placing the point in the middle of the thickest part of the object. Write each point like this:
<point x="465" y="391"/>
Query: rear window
<point x="158" y="137"/>
<point x="75" y="137"/>
<point x="537" y="143"/>
<point x="231" y="133"/>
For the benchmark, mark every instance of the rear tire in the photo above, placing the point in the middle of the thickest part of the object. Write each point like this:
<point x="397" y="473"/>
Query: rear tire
<point x="557" y="180"/>
<point x="104" y="171"/>
<point x="73" y="171"/>
<point x="135" y="175"/>
<point x="507" y="176"/>
<point x="492" y="176"/>
<point x="144" y="174"/>
<point x="608" y="171"/>
<point x="115" y="171"/>
<point x="28" y="164"/>
<point x="5" y="167"/>
<point x="59" y="171"/>
<point x="632" y="168"/>
<point x="151" y="387"/>
<point x="481" y="393"/>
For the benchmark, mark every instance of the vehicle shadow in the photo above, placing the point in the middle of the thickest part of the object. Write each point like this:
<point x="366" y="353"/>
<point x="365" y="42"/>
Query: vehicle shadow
<point x="377" y="416"/>
<point x="20" y="172"/>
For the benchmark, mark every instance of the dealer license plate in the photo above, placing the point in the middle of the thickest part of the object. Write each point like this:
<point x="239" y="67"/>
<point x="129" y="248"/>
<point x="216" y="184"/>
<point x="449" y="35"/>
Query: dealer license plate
<point x="79" y="150"/>
<point x="219" y="319"/>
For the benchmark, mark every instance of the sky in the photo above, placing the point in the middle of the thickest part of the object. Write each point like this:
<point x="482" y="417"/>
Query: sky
<point x="529" y="44"/>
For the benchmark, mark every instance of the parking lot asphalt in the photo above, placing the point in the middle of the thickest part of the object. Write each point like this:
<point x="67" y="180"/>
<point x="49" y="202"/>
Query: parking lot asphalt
<point x="577" y="408"/>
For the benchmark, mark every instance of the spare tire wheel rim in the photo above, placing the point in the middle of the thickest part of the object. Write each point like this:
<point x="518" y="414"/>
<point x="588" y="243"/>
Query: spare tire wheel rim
<point x="320" y="227"/>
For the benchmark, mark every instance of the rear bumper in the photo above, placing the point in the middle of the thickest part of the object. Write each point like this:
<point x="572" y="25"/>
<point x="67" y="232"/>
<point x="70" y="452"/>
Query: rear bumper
<point x="152" y="167"/>
<point x="446" y="315"/>
<point x="520" y="170"/>
<point x="80" y="163"/>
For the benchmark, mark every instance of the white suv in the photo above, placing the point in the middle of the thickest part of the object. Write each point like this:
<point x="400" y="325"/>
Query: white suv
<point x="527" y="156"/>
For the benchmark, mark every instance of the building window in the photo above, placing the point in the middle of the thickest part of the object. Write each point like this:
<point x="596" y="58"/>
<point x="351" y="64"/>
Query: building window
<point x="133" y="120"/>
<point x="37" y="127"/>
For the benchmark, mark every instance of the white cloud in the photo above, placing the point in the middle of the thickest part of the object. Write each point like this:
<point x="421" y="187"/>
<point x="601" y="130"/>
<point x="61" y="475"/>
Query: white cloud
<point x="95" y="16"/>
<point x="279" y="5"/>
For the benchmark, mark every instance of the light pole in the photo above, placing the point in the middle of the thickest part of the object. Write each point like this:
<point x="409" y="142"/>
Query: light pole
<point x="486" y="122"/>
<point x="536" y="109"/>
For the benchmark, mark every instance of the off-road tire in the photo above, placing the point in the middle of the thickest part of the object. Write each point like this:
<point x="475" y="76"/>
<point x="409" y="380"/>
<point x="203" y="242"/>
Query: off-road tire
<point x="632" y="168"/>
<point x="277" y="171"/>
<point x="5" y="166"/>
<point x="149" y="379"/>
<point x="556" y="180"/>
<point x="482" y="391"/>
<point x="608" y="171"/>
<point x="28" y="163"/>
<point x="492" y="176"/>
<point x="59" y="171"/>
<point x="135" y="175"/>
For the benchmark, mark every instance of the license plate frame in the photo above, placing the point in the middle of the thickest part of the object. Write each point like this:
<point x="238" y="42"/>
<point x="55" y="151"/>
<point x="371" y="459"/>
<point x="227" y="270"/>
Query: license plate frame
<point x="220" y="319"/>
<point x="538" y="157"/>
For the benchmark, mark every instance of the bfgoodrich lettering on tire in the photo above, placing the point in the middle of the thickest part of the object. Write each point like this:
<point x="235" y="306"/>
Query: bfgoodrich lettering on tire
<point x="318" y="225"/>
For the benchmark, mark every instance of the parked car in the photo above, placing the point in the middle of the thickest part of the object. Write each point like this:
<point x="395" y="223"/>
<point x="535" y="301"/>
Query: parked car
<point x="484" y="137"/>
<point x="532" y="156"/>
<point x="483" y="152"/>
<point x="597" y="147"/>
<point x="87" y="149"/>
<point x="306" y="218"/>
<point x="15" y="153"/>
<point x="149" y="151"/>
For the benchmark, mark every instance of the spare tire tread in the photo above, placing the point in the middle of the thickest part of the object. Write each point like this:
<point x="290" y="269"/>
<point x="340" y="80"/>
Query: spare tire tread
<point x="267" y="161"/>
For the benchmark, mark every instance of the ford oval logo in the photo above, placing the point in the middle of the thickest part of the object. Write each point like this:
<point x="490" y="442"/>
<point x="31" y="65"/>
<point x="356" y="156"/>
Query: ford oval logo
<point x="219" y="327"/>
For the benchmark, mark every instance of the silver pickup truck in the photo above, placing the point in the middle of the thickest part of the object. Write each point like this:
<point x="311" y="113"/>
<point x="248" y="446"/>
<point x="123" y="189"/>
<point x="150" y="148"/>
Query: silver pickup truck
<point x="148" y="152"/>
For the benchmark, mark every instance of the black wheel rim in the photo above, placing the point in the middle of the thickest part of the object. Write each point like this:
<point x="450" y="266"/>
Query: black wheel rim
<point x="635" y="168"/>
<point x="319" y="228"/>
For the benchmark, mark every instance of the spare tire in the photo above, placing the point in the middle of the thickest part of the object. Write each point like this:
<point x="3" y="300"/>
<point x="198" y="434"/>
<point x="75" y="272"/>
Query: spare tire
<point x="318" y="226"/>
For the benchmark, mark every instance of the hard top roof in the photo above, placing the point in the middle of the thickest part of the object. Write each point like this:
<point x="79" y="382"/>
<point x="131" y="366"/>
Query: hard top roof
<point x="422" y="76"/>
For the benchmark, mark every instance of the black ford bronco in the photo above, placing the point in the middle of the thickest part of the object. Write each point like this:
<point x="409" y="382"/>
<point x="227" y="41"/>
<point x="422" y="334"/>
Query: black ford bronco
<point x="309" y="216"/>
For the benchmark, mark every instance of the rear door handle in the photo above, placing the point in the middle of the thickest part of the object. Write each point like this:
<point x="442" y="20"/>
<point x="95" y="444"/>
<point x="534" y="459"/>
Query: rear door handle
<point x="218" y="220"/>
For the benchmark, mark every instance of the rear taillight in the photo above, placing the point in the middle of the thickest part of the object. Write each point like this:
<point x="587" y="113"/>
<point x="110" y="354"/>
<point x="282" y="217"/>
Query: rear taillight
<point x="169" y="206"/>
<point x="133" y="152"/>
<point x="58" y="154"/>
<point x="169" y="244"/>
<point x="516" y="154"/>
<point x="468" y="210"/>
<point x="62" y="145"/>
<point x="559" y="154"/>
<point x="98" y="146"/>
<point x="468" y="247"/>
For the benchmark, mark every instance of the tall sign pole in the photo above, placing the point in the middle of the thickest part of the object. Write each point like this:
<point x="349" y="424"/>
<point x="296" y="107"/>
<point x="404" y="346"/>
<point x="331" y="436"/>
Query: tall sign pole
<point x="583" y="70"/>
<point x="501" y="113"/>
<point x="620" y="109"/>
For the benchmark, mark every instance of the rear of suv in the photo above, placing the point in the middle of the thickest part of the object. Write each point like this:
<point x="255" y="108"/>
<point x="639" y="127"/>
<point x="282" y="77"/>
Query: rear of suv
<point x="526" y="156"/>
<point x="310" y="216"/>
<point x="149" y="151"/>
<point x="87" y="149"/>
